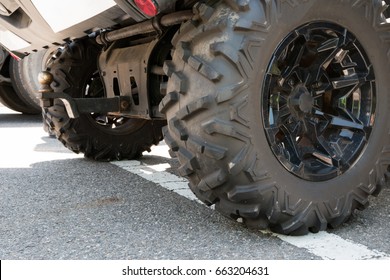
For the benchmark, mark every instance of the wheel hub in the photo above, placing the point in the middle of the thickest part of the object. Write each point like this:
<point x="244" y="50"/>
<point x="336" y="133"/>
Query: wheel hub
<point x="318" y="101"/>
<point x="300" y="102"/>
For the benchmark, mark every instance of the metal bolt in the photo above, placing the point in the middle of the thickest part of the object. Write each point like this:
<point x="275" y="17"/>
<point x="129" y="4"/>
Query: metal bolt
<point x="124" y="105"/>
<point x="317" y="84"/>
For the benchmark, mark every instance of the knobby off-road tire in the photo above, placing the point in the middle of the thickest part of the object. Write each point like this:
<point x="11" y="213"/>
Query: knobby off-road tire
<point x="231" y="114"/>
<point x="98" y="137"/>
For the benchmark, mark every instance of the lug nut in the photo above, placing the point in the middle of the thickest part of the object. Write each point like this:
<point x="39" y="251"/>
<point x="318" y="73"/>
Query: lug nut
<point x="291" y="82"/>
<point x="124" y="105"/>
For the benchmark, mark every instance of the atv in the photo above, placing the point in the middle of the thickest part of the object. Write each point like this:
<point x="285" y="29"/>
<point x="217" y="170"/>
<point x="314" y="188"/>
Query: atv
<point x="277" y="110"/>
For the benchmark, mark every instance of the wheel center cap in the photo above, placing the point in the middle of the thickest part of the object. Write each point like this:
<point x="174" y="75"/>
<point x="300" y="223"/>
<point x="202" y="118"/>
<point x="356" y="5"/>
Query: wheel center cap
<point x="301" y="100"/>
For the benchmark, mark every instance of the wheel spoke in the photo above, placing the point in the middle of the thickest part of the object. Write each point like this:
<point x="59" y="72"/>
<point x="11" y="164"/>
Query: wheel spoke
<point x="329" y="155"/>
<point x="283" y="113"/>
<point x="290" y="141"/>
<point x="293" y="60"/>
<point x="347" y="81"/>
<point x="340" y="122"/>
<point x="322" y="149"/>
<point x="330" y="44"/>
<point x="324" y="158"/>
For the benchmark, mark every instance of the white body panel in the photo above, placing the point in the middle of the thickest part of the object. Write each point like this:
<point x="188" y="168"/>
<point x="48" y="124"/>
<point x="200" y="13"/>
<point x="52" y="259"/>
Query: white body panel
<point x="12" y="41"/>
<point x="61" y="15"/>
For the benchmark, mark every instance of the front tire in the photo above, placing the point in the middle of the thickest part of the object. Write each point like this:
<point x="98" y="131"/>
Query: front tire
<point x="223" y="110"/>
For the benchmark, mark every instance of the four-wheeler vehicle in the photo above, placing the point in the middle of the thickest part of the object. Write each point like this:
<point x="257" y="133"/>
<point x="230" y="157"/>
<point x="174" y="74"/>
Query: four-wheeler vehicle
<point x="277" y="110"/>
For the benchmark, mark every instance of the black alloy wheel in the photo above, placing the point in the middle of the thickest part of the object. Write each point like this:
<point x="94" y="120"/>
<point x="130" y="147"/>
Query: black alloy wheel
<point x="319" y="101"/>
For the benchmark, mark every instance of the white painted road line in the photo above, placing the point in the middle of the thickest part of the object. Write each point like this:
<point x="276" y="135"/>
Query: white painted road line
<point x="330" y="246"/>
<point x="157" y="174"/>
<point x="324" y="245"/>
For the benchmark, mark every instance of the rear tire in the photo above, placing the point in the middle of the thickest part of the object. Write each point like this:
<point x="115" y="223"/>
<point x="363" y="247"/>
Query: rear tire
<point x="98" y="137"/>
<point x="11" y="100"/>
<point x="219" y="119"/>
<point x="24" y="77"/>
<point x="9" y="96"/>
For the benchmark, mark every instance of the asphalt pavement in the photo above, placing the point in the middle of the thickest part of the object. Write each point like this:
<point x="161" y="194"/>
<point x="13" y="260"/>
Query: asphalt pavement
<point x="55" y="204"/>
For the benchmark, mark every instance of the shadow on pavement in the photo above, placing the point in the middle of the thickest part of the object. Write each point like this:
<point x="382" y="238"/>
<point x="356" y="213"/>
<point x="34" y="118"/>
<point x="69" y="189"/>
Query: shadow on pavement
<point x="20" y="120"/>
